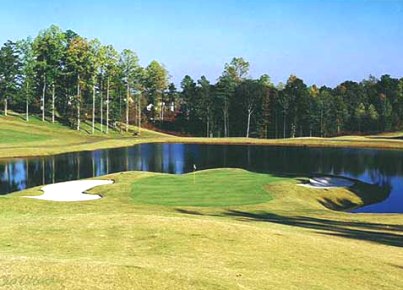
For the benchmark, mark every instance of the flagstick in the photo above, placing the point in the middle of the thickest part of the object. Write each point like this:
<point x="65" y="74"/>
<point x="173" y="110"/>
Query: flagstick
<point x="194" y="173"/>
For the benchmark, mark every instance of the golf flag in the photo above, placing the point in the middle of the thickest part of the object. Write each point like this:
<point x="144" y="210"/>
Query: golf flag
<point x="194" y="171"/>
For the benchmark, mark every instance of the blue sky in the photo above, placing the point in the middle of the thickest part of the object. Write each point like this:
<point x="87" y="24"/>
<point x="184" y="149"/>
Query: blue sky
<point x="323" y="42"/>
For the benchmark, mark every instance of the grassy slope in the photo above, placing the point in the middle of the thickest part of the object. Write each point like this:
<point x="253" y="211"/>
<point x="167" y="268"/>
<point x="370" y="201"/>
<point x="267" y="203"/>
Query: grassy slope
<point x="390" y="134"/>
<point x="19" y="138"/>
<point x="290" y="242"/>
<point x="33" y="138"/>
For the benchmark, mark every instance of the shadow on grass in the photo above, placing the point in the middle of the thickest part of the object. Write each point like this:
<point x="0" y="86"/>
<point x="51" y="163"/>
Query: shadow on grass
<point x="386" y="234"/>
<point x="190" y="212"/>
<point x="396" y="266"/>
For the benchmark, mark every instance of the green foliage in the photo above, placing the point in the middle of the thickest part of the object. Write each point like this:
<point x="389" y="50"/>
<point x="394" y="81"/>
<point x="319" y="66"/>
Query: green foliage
<point x="156" y="81"/>
<point x="9" y="70"/>
<point x="49" y="48"/>
<point x="131" y="70"/>
<point x="237" y="70"/>
<point x="27" y="77"/>
<point x="79" y="58"/>
<point x="172" y="95"/>
<point x="293" y="109"/>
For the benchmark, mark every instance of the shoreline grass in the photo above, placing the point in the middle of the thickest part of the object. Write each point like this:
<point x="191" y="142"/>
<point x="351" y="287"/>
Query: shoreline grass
<point x="46" y="138"/>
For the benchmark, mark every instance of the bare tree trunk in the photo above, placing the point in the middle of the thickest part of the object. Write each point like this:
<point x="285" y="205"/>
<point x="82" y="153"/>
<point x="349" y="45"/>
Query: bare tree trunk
<point x="43" y="98"/>
<point x="228" y="132"/>
<point x="276" y="125"/>
<point x="211" y="133"/>
<point x="139" y="114"/>
<point x="248" y="127"/>
<point x="107" y="107"/>
<point x="78" y="103"/>
<point x="93" y="109"/>
<point x="321" y="122"/>
<point x="225" y="123"/>
<point x="5" y="106"/>
<point x="26" y="102"/>
<point x="225" y="111"/>
<point x="284" y="124"/>
<point x="207" y="128"/>
<point x="53" y="103"/>
<point x="293" y="128"/>
<point x="127" y="107"/>
<point x="26" y="110"/>
<point x="208" y="123"/>
<point x="102" y="108"/>
<point x="162" y="111"/>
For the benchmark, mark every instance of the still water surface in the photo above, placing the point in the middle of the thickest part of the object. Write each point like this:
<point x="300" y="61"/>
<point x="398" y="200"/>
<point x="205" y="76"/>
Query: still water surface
<point x="383" y="168"/>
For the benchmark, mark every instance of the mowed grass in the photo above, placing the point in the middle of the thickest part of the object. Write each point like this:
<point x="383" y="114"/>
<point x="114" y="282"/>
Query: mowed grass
<point x="254" y="232"/>
<point x="34" y="138"/>
<point x="288" y="242"/>
<point x="8" y="136"/>
<point x="214" y="188"/>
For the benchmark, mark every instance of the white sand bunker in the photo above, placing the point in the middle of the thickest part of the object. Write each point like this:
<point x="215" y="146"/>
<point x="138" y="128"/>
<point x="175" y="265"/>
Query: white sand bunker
<point x="71" y="190"/>
<point x="328" y="182"/>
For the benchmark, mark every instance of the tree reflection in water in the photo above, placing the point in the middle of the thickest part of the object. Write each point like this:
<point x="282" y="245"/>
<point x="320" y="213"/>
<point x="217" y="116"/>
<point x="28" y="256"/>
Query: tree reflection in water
<point x="379" y="167"/>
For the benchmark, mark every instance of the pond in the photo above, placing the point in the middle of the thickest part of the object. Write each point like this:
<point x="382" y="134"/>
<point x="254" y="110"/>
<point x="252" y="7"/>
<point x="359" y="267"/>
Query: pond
<point x="383" y="168"/>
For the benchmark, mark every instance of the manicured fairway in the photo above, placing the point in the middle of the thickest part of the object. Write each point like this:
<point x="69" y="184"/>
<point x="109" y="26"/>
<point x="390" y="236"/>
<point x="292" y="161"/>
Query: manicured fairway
<point x="288" y="242"/>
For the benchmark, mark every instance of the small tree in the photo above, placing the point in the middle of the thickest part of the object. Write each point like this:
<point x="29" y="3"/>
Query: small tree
<point x="156" y="82"/>
<point x="359" y="114"/>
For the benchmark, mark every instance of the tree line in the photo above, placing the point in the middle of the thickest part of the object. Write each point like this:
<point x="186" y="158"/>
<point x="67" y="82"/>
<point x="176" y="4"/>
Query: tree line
<point x="62" y="76"/>
<point x="238" y="105"/>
